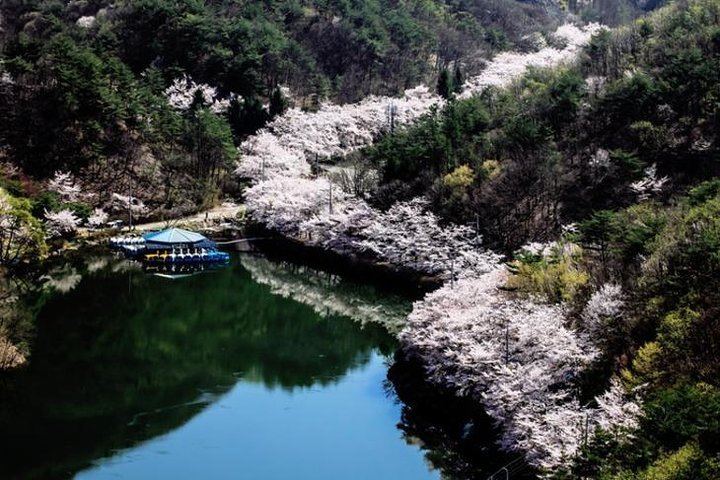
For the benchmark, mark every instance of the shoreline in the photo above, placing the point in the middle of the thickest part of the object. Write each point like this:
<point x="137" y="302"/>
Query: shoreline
<point x="365" y="269"/>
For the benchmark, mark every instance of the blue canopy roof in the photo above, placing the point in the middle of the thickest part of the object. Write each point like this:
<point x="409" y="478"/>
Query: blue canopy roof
<point x="174" y="236"/>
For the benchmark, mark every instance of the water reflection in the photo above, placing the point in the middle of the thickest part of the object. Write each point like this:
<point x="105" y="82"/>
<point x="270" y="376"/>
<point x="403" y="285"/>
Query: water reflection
<point x="329" y="294"/>
<point x="121" y="357"/>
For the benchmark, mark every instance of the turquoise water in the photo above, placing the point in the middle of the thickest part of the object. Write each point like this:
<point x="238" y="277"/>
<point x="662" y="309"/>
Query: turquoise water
<point x="259" y="370"/>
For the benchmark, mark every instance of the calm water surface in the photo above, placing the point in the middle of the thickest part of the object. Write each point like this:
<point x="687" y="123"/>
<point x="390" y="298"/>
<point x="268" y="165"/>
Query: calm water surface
<point x="256" y="371"/>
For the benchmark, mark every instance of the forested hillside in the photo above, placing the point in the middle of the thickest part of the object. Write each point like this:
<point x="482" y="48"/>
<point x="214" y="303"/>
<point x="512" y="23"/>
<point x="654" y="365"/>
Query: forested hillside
<point x="618" y="156"/>
<point x="636" y="115"/>
<point x="147" y="98"/>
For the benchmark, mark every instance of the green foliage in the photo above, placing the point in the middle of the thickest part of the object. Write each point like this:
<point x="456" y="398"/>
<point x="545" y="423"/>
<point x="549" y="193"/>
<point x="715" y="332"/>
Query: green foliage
<point x="278" y="103"/>
<point x="445" y="86"/>
<point x="627" y="162"/>
<point x="46" y="200"/>
<point x="677" y="414"/>
<point x="557" y="277"/>
<point x="246" y="116"/>
<point x="457" y="80"/>
<point x="460" y="178"/>
<point x="565" y="91"/>
<point x="21" y="238"/>
<point x="436" y="145"/>
<point x="81" y="209"/>
<point x="682" y="464"/>
<point x="704" y="192"/>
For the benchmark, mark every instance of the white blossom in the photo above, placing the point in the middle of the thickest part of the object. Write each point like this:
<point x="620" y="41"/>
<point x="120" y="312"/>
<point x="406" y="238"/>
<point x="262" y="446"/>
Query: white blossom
<point x="650" y="184"/>
<point x="86" y="22"/>
<point x="600" y="159"/>
<point x="65" y="185"/>
<point x="123" y="203"/>
<point x="98" y="218"/>
<point x="6" y="78"/>
<point x="604" y="304"/>
<point x="516" y="356"/>
<point x="538" y="249"/>
<point x="520" y="360"/>
<point x="616" y="410"/>
<point x="410" y="235"/>
<point x="507" y="66"/>
<point x="183" y="91"/>
<point x="61" y="223"/>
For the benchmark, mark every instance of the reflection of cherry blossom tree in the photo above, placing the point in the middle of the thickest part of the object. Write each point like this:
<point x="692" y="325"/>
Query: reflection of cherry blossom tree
<point x="328" y="294"/>
<point x="62" y="279"/>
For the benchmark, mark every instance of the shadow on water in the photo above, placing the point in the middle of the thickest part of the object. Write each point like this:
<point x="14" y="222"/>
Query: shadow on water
<point x="121" y="356"/>
<point x="458" y="437"/>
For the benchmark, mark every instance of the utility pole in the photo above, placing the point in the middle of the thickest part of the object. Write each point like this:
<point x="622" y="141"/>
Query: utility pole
<point x="130" y="225"/>
<point x="507" y="342"/>
<point x="452" y="271"/>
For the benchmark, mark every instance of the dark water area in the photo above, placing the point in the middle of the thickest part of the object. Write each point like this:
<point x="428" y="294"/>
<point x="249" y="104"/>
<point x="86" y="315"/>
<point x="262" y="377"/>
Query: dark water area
<point x="259" y="370"/>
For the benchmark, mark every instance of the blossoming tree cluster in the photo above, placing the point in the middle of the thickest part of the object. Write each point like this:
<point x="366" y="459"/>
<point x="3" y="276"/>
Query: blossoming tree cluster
<point x="507" y="66"/>
<point x="515" y="355"/>
<point x="286" y="197"/>
<point x="65" y="221"/>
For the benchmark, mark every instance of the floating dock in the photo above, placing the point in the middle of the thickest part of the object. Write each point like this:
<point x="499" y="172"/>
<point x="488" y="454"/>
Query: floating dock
<point x="170" y="246"/>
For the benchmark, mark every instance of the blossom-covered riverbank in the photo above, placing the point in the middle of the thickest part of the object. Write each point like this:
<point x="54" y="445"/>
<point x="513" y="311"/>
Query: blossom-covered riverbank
<point x="286" y="197"/>
<point x="515" y="355"/>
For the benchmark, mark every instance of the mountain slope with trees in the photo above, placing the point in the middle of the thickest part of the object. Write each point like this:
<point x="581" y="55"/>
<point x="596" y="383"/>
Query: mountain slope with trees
<point x="617" y="155"/>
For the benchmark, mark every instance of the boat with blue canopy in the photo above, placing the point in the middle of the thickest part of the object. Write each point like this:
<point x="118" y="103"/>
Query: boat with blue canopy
<point x="172" y="245"/>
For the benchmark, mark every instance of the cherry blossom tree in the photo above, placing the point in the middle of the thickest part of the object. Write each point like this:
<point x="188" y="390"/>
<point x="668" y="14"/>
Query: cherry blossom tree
<point x="184" y="91"/>
<point x="124" y="203"/>
<point x="507" y="66"/>
<point x="650" y="184"/>
<point x="98" y="218"/>
<point x="601" y="313"/>
<point x="61" y="223"/>
<point x="65" y="185"/>
<point x="515" y="355"/>
<point x="518" y="358"/>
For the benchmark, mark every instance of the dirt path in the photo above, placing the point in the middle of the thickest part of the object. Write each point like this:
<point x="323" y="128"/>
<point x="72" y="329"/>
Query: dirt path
<point x="226" y="211"/>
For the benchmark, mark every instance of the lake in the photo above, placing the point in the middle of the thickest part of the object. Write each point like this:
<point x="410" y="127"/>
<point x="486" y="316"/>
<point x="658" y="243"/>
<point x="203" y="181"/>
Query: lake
<point x="259" y="370"/>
